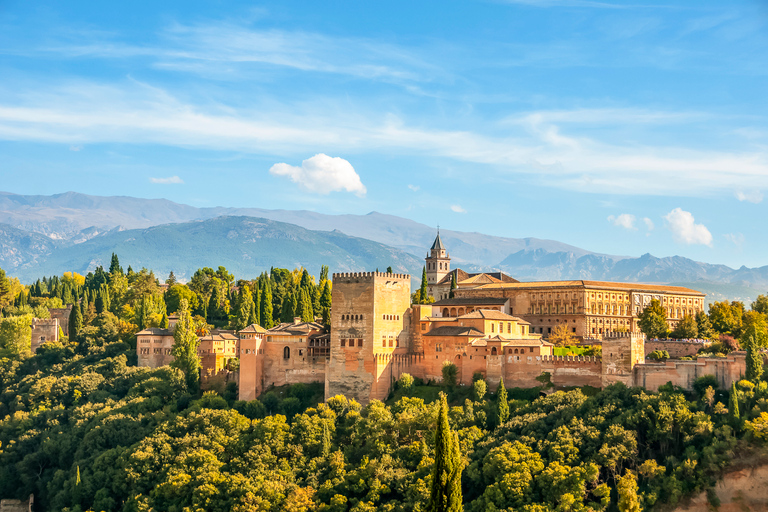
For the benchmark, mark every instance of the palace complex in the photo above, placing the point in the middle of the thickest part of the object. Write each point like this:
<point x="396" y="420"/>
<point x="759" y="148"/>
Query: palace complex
<point x="488" y="323"/>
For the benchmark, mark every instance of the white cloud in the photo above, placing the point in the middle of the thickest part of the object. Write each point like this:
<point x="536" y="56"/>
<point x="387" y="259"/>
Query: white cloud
<point x="415" y="188"/>
<point x="625" y="220"/>
<point x="458" y="209"/>
<point x="173" y="180"/>
<point x="753" y="196"/>
<point x="685" y="229"/>
<point x="322" y="174"/>
<point x="736" y="239"/>
<point x="648" y="223"/>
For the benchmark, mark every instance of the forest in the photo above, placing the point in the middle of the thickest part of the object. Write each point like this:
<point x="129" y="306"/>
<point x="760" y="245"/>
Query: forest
<point x="83" y="428"/>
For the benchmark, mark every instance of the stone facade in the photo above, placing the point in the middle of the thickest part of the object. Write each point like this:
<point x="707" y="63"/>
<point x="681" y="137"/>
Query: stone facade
<point x="43" y="330"/>
<point x="153" y="347"/>
<point x="675" y="349"/>
<point x="62" y="315"/>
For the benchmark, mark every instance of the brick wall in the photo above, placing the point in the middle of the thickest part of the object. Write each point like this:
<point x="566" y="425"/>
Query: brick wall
<point x="683" y="373"/>
<point x="676" y="349"/>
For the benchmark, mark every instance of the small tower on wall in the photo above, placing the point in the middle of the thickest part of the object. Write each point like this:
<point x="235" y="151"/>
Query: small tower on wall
<point x="438" y="264"/>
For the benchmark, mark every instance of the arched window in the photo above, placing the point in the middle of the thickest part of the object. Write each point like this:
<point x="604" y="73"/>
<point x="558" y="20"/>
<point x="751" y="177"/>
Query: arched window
<point x="515" y="351"/>
<point x="445" y="312"/>
<point x="286" y="353"/>
<point x="493" y="351"/>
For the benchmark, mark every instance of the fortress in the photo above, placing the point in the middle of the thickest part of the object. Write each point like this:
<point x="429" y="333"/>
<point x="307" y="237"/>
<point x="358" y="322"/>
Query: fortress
<point x="495" y="326"/>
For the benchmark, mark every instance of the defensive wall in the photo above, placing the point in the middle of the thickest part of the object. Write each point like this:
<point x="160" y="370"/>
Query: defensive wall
<point x="683" y="373"/>
<point x="676" y="349"/>
<point x="43" y="330"/>
<point x="572" y="371"/>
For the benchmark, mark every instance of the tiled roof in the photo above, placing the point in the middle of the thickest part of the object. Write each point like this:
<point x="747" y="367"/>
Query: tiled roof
<point x="471" y="301"/>
<point x="155" y="331"/>
<point x="438" y="244"/>
<point x="462" y="276"/>
<point x="643" y="287"/>
<point x="492" y="314"/>
<point x="295" y="328"/>
<point x="219" y="337"/>
<point x="254" y="328"/>
<point x="453" y="330"/>
<point x="479" y="279"/>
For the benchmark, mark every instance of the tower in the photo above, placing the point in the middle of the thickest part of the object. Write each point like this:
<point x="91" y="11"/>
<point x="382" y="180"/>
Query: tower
<point x="438" y="265"/>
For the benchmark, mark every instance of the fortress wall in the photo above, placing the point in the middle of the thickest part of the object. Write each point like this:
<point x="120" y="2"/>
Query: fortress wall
<point x="676" y="349"/>
<point x="568" y="371"/>
<point x="62" y="315"/>
<point x="251" y="376"/>
<point x="726" y="370"/>
<point x="297" y="368"/>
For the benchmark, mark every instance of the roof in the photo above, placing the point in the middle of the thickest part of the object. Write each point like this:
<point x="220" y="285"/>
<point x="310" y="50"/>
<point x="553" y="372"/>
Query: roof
<point x="254" y="328"/>
<point x="492" y="314"/>
<point x="296" y="328"/>
<point x="155" y="331"/>
<point x="471" y="301"/>
<point x="219" y="337"/>
<point x="517" y="342"/>
<point x="644" y="287"/>
<point x="462" y="276"/>
<point x="479" y="279"/>
<point x="453" y="330"/>
<point x="438" y="244"/>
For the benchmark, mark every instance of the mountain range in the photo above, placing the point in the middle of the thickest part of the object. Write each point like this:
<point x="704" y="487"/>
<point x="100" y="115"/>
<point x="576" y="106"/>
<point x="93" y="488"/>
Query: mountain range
<point x="45" y="235"/>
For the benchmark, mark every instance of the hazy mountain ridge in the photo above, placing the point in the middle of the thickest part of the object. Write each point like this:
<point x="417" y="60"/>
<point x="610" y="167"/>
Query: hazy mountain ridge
<point x="81" y="232"/>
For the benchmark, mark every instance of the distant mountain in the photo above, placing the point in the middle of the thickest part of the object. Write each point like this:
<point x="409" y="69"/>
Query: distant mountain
<point x="247" y="246"/>
<point x="72" y="231"/>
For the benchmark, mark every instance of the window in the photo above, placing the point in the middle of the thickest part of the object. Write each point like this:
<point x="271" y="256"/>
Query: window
<point x="286" y="353"/>
<point x="530" y="350"/>
<point x="423" y="327"/>
<point x="343" y="342"/>
<point x="384" y="343"/>
<point x="509" y="328"/>
<point x="359" y="342"/>
<point x="501" y="327"/>
<point x="390" y="343"/>
<point x="493" y="351"/>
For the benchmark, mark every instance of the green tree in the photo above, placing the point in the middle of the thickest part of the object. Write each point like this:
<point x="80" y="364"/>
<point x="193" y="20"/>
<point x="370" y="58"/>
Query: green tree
<point x="288" y="311"/>
<point x="453" y="286"/>
<point x="245" y="308"/>
<point x="389" y="270"/>
<point x="184" y="349"/>
<point x="422" y="298"/>
<point x="175" y="293"/>
<point x="761" y="304"/>
<point x="480" y="388"/>
<point x="114" y="267"/>
<point x="628" y="499"/>
<point x="703" y="326"/>
<point x="653" y="320"/>
<point x="6" y="295"/>
<point x="686" y="328"/>
<point x="305" y="306"/>
<point x="733" y="406"/>
<point x="75" y="321"/>
<point x="726" y="318"/>
<point x="445" y="494"/>
<point x="325" y="302"/>
<point x="266" y="307"/>
<point x="755" y="326"/>
<point x="450" y="372"/>
<point x="164" y="322"/>
<point x="16" y="334"/>
<point x="502" y="404"/>
<point x="754" y="361"/>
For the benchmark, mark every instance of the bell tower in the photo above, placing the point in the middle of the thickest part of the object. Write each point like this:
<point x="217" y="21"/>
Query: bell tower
<point x="438" y="264"/>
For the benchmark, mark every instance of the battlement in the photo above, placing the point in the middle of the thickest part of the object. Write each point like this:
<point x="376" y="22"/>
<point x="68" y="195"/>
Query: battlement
<point x="572" y="359"/>
<point x="412" y="358"/>
<point x="623" y="336"/>
<point x="369" y="275"/>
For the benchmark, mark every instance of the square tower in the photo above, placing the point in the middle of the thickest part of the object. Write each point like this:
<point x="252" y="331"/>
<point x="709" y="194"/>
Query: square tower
<point x="368" y="319"/>
<point x="438" y="265"/>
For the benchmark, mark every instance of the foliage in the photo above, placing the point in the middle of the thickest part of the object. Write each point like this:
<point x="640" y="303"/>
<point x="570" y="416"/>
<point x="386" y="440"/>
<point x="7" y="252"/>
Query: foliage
<point x="754" y="360"/>
<point x="687" y="328"/>
<point x="445" y="494"/>
<point x="450" y="373"/>
<point x="16" y="335"/>
<point x="561" y="335"/>
<point x="658" y="355"/>
<point x="653" y="320"/>
<point x="185" y="342"/>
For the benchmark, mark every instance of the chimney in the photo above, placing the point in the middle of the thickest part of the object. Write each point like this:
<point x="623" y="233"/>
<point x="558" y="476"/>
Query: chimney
<point x="296" y="320"/>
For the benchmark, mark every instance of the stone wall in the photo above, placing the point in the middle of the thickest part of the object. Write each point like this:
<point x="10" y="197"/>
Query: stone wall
<point x="17" y="505"/>
<point x="676" y="349"/>
<point x="683" y="373"/>
<point x="621" y="352"/>
<point x="62" y="315"/>
<point x="566" y="371"/>
<point x="44" y="330"/>
<point x="251" y="374"/>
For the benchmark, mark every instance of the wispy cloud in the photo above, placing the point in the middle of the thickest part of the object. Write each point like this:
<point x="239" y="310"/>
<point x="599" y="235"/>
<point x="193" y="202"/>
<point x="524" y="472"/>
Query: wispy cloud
<point x="415" y="188"/>
<point x="625" y="220"/>
<point x="736" y="239"/>
<point x="752" y="196"/>
<point x="173" y="180"/>
<point x="458" y="209"/>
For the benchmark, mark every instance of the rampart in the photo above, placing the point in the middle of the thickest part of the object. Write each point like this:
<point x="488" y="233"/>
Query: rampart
<point x="573" y="370"/>
<point x="683" y="373"/>
<point x="367" y="276"/>
<point x="44" y="330"/>
<point x="676" y="349"/>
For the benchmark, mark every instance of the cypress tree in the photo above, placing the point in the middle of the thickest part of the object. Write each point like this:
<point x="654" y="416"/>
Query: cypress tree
<point x="255" y="317"/>
<point x="164" y="323"/>
<point x="325" y="303"/>
<point x="502" y="405"/>
<point x="423" y="289"/>
<point x="325" y="448"/>
<point x="305" y="307"/>
<point x="75" y="321"/>
<point x="389" y="270"/>
<point x="445" y="495"/>
<point x="99" y="302"/>
<point x="105" y="294"/>
<point x="266" y="307"/>
<point x="288" y="311"/>
<point x="733" y="406"/>
<point x="453" y="286"/>
<point x="754" y="361"/>
<point x="184" y="349"/>
<point x="245" y="307"/>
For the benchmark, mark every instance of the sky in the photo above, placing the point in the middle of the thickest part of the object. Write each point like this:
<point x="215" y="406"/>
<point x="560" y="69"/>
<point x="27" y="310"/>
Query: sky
<point x="620" y="127"/>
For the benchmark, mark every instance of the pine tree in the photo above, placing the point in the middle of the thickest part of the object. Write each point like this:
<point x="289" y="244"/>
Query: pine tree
<point x="255" y="317"/>
<point x="75" y="321"/>
<point x="164" y="323"/>
<point x="171" y="279"/>
<point x="99" y="302"/>
<point x="502" y="405"/>
<point x="325" y="303"/>
<point x="389" y="270"/>
<point x="703" y="325"/>
<point x="245" y="307"/>
<point x="423" y="288"/>
<point x="733" y="406"/>
<point x="453" y="286"/>
<point x="305" y="307"/>
<point x="323" y="273"/>
<point x="114" y="267"/>
<point x="288" y="312"/>
<point x="267" y="320"/>
<point x="184" y="349"/>
<point x="754" y="361"/>
<point x="445" y="495"/>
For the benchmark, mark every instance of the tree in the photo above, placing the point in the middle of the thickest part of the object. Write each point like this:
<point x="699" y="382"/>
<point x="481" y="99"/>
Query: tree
<point x="184" y="348"/>
<point x="733" y="406"/>
<point x="389" y="270"/>
<point x="325" y="302"/>
<point x="5" y="290"/>
<point x="726" y="318"/>
<point x="171" y="279"/>
<point x="164" y="322"/>
<point x="686" y="328"/>
<point x="653" y="320"/>
<point x="75" y="321"/>
<point x="627" y="487"/>
<point x="245" y="308"/>
<point x="305" y="306"/>
<point x="266" y="306"/>
<point x="761" y="304"/>
<point x="703" y="325"/>
<point x="561" y="335"/>
<point x="502" y="404"/>
<point x="755" y="326"/>
<point x="423" y="287"/>
<point x="16" y="334"/>
<point x="453" y="286"/>
<point x="480" y="387"/>
<point x="450" y="372"/>
<point x="114" y="267"/>
<point x="288" y="311"/>
<point x="445" y="494"/>
<point x="754" y="361"/>
<point x="175" y="293"/>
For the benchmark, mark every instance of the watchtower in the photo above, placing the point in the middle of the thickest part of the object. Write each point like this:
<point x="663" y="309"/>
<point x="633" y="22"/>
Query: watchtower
<point x="621" y="352"/>
<point x="438" y="264"/>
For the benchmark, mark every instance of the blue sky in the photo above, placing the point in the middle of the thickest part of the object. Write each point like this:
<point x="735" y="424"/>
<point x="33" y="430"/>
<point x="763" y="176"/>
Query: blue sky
<point x="620" y="128"/>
